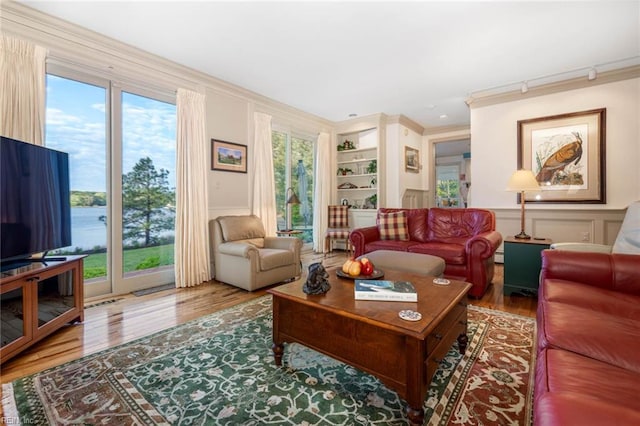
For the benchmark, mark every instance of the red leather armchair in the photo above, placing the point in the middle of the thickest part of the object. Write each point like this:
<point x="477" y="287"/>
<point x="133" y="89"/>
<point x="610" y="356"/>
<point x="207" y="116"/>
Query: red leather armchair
<point x="465" y="238"/>
<point x="588" y="365"/>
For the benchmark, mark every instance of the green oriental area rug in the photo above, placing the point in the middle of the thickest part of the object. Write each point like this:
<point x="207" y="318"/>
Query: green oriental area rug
<point x="219" y="370"/>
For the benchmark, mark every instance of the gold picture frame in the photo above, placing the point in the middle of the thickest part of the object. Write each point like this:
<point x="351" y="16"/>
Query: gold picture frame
<point x="566" y="153"/>
<point x="228" y="156"/>
<point x="411" y="160"/>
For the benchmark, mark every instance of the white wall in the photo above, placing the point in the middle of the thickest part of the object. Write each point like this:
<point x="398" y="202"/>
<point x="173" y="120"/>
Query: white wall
<point x="398" y="181"/>
<point x="494" y="142"/>
<point x="227" y="120"/>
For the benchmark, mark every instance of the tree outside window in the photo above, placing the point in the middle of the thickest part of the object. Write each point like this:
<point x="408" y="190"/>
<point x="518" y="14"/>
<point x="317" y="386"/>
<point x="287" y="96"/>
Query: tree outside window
<point x="448" y="186"/>
<point x="293" y="168"/>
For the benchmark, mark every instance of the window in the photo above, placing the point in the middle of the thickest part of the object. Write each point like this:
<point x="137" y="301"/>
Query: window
<point x="122" y="178"/>
<point x="148" y="183"/>
<point x="76" y="124"/>
<point x="448" y="186"/>
<point x="293" y="159"/>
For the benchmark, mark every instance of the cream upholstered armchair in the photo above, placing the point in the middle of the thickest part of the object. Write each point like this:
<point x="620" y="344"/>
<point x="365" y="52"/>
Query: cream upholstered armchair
<point x="627" y="241"/>
<point x="243" y="256"/>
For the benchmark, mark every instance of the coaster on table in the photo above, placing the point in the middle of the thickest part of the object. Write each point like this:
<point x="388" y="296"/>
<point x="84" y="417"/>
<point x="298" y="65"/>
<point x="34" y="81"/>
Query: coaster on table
<point x="441" y="281"/>
<point x="410" y="315"/>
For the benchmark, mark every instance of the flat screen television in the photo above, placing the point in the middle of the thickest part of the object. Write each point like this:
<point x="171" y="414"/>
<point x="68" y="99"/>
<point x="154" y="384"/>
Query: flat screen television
<point x="35" y="209"/>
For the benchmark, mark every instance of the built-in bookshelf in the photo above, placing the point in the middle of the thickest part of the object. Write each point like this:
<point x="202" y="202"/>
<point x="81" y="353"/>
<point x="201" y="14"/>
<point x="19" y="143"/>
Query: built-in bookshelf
<point x="357" y="169"/>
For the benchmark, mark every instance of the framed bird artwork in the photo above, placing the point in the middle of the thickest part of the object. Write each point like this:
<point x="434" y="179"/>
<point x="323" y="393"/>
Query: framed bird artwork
<point x="566" y="153"/>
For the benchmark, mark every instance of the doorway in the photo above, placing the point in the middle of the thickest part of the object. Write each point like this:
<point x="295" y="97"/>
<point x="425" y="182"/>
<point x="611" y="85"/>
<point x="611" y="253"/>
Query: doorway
<point x="451" y="173"/>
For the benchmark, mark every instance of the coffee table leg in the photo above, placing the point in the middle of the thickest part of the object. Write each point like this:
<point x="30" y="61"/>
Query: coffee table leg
<point x="415" y="415"/>
<point x="462" y="343"/>
<point x="278" y="350"/>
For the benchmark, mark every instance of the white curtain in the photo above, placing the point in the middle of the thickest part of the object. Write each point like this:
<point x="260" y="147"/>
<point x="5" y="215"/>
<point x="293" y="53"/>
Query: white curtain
<point x="321" y="190"/>
<point x="22" y="90"/>
<point x="264" y="193"/>
<point x="192" y="257"/>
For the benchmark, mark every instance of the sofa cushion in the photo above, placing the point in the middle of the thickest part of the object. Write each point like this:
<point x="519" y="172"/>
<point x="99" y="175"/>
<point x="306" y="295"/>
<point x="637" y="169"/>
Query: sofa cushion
<point x="256" y="242"/>
<point x="617" y="272"/>
<point x="275" y="258"/>
<point x="458" y="225"/>
<point x="393" y="226"/>
<point x="590" y="297"/>
<point x="590" y="333"/>
<point x="416" y="222"/>
<point x="564" y="371"/>
<point x="389" y="245"/>
<point x="571" y="409"/>
<point x="337" y="233"/>
<point x="241" y="227"/>
<point x="453" y="254"/>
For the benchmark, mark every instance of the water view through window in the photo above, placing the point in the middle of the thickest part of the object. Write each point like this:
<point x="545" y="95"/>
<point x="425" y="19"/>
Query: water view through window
<point x="148" y="183"/>
<point x="76" y="124"/>
<point x="76" y="119"/>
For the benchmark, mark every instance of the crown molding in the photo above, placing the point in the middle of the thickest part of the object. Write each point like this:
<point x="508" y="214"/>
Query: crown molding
<point x="82" y="49"/>
<point x="358" y="124"/>
<point x="481" y="99"/>
<point x="406" y="122"/>
<point x="430" y="131"/>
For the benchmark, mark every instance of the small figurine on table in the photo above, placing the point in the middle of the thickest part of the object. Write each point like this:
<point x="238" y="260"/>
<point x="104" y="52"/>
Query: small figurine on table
<point x="317" y="281"/>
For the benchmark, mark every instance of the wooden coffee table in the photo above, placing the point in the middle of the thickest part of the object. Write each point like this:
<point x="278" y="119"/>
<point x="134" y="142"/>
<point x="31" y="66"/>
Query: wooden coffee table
<point x="370" y="335"/>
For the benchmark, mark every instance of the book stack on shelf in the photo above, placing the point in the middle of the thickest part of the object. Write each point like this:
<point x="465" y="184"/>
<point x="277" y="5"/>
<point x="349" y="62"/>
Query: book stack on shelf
<point x="393" y="291"/>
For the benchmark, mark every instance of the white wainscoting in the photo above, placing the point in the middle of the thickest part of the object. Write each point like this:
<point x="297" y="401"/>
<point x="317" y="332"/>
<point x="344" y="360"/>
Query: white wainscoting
<point x="594" y="226"/>
<point x="415" y="199"/>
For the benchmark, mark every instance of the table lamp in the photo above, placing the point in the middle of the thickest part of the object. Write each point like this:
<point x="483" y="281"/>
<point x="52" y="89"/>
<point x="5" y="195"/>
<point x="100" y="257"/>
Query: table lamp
<point x="292" y="198"/>
<point x="521" y="181"/>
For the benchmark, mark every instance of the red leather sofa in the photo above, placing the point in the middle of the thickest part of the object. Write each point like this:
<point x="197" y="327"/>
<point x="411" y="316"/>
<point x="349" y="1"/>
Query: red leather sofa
<point x="588" y="348"/>
<point x="465" y="238"/>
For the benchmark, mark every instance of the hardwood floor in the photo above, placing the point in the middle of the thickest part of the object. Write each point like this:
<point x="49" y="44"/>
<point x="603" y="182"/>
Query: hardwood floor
<point x="119" y="319"/>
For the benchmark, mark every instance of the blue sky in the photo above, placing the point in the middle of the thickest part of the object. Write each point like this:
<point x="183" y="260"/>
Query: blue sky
<point x="76" y="124"/>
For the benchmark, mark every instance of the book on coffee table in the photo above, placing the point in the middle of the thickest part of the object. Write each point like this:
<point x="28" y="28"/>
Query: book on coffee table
<point x="385" y="290"/>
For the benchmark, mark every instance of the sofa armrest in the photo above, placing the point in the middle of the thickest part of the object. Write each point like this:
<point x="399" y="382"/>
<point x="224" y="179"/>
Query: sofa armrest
<point x="617" y="272"/>
<point x="483" y="246"/>
<point x="237" y="249"/>
<point x="361" y="236"/>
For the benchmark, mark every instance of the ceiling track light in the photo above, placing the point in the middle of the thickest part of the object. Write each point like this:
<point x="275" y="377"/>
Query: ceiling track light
<point x="591" y="73"/>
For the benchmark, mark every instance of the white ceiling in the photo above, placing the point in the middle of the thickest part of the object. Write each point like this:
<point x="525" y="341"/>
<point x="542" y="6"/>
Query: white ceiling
<point x="420" y="59"/>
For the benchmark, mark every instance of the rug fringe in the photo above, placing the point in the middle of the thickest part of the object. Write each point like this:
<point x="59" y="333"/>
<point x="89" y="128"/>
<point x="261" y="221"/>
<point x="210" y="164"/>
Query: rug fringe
<point x="9" y="408"/>
<point x="460" y="374"/>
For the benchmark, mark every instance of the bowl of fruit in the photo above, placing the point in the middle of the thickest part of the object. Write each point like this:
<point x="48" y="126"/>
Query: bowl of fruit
<point x="359" y="269"/>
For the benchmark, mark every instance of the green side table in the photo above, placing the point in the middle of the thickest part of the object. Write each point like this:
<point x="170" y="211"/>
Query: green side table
<point x="522" y="263"/>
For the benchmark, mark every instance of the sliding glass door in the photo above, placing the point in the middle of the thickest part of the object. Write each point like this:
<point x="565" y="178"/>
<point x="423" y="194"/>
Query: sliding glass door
<point x="121" y="145"/>
<point x="293" y="159"/>
<point x="76" y="123"/>
<point x="148" y="184"/>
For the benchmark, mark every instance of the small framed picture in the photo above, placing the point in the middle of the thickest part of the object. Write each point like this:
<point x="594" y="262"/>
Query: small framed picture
<point x="411" y="160"/>
<point x="228" y="156"/>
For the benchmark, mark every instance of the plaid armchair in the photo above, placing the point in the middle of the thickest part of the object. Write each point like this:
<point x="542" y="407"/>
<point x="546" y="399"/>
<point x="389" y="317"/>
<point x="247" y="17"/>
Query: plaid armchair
<point x="338" y="228"/>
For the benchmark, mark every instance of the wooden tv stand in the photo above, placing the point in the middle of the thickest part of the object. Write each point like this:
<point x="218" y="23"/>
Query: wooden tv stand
<point x="38" y="299"/>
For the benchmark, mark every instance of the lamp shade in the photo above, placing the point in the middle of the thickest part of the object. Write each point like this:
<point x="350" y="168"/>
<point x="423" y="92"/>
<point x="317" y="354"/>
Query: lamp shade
<point x="292" y="198"/>
<point x="523" y="180"/>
